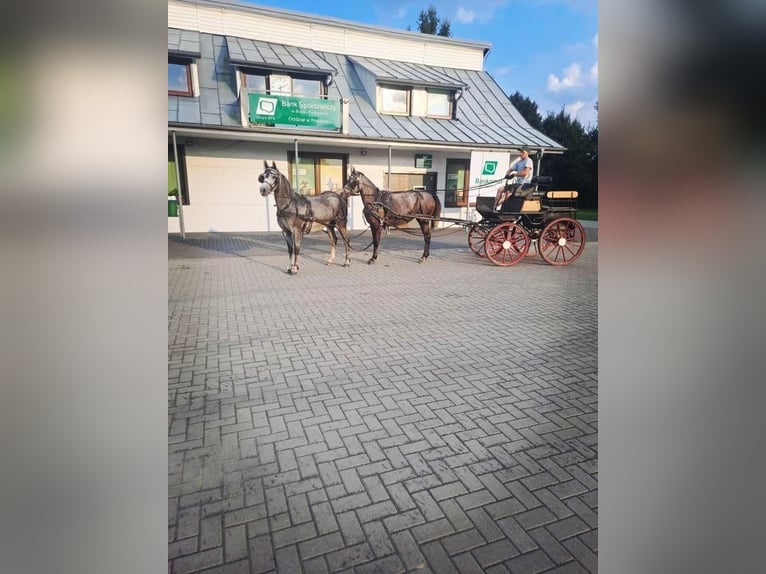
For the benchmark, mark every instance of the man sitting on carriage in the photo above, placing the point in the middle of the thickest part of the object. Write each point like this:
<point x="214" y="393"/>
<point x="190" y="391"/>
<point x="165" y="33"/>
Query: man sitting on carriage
<point x="519" y="174"/>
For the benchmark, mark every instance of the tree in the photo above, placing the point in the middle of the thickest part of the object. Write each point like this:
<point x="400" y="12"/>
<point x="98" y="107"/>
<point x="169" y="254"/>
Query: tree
<point x="528" y="110"/>
<point x="430" y="23"/>
<point x="577" y="168"/>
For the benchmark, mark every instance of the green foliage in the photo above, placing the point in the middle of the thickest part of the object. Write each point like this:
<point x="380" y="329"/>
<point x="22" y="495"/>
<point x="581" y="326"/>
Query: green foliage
<point x="430" y="23"/>
<point x="577" y="168"/>
<point x="528" y="109"/>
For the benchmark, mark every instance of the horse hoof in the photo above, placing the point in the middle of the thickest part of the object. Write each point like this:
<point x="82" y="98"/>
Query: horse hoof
<point x="370" y="262"/>
<point x="422" y="260"/>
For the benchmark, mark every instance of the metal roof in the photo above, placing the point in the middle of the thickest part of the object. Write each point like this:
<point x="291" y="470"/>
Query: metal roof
<point x="275" y="56"/>
<point x="485" y="116"/>
<point x="183" y="42"/>
<point x="407" y="73"/>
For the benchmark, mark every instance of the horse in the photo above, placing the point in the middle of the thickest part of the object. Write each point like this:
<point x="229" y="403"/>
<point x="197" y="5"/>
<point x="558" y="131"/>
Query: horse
<point x="296" y="213"/>
<point x="386" y="208"/>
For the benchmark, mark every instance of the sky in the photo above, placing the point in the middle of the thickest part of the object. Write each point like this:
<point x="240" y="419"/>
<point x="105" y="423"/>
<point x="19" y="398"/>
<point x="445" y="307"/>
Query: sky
<point x="546" y="50"/>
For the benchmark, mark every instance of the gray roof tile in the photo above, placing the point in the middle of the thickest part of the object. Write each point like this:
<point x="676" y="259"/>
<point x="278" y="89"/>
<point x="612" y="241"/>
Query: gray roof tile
<point x="484" y="114"/>
<point x="184" y="42"/>
<point x="275" y="56"/>
<point x="395" y="72"/>
<point x="188" y="111"/>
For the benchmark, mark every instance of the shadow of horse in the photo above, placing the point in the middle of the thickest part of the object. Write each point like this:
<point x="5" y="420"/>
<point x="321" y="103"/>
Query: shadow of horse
<point x="297" y="213"/>
<point x="393" y="209"/>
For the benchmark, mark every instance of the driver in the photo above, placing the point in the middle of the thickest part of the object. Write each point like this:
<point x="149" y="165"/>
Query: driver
<point x="519" y="173"/>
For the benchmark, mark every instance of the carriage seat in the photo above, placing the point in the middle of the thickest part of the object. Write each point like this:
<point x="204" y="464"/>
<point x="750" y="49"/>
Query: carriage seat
<point x="561" y="195"/>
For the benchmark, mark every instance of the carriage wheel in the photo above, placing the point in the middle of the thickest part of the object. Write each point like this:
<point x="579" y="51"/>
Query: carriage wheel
<point x="561" y="241"/>
<point x="476" y="238"/>
<point x="507" y="244"/>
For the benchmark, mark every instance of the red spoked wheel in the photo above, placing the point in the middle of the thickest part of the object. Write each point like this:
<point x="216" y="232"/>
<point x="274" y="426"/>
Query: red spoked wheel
<point x="561" y="241"/>
<point x="507" y="244"/>
<point x="476" y="238"/>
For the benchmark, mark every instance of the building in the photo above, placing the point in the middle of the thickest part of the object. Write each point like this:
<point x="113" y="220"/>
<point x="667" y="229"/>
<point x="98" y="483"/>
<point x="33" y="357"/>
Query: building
<point x="317" y="95"/>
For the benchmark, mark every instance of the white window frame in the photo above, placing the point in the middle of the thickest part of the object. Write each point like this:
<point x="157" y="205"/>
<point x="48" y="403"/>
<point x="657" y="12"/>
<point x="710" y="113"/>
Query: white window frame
<point x="382" y="99"/>
<point x="435" y="92"/>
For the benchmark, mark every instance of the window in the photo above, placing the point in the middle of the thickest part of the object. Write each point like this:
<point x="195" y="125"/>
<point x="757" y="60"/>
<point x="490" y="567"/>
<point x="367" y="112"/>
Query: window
<point x="179" y="77"/>
<point x="407" y="181"/>
<point x="255" y="82"/>
<point x="317" y="172"/>
<point x="283" y="84"/>
<point x="439" y="105"/>
<point x="394" y="100"/>
<point x="456" y="194"/>
<point x="308" y="87"/>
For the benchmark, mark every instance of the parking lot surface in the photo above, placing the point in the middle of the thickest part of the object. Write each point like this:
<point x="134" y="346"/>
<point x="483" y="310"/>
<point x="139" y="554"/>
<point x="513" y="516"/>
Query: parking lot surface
<point x="396" y="417"/>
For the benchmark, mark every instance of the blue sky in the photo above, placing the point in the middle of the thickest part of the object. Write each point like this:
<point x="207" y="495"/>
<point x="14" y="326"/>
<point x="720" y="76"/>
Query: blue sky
<point x="545" y="49"/>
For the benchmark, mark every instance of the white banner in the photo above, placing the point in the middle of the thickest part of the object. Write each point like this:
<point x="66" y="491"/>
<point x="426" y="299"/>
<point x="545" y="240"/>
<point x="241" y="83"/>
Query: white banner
<point x="487" y="166"/>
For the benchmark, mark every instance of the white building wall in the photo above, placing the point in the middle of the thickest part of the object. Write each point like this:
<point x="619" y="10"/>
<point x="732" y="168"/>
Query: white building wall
<point x="323" y="36"/>
<point x="223" y="183"/>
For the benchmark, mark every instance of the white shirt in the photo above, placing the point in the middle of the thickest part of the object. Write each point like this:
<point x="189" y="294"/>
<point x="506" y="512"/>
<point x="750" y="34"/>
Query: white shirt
<point x="519" y="165"/>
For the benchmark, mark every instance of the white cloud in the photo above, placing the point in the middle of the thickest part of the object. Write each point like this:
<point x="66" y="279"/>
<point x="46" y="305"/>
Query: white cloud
<point x="571" y="79"/>
<point x="594" y="41"/>
<point x="465" y="16"/>
<point x="574" y="107"/>
<point x="594" y="73"/>
<point x="401" y="12"/>
<point x="584" y="112"/>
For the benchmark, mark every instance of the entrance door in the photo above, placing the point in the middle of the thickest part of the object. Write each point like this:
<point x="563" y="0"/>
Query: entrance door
<point x="458" y="176"/>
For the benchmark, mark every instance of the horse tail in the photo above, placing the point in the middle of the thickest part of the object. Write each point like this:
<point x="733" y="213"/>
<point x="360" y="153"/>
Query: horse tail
<point x="437" y="209"/>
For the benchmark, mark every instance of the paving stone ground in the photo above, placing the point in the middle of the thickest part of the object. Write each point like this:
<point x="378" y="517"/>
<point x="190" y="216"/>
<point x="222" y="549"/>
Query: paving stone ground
<point x="390" y="418"/>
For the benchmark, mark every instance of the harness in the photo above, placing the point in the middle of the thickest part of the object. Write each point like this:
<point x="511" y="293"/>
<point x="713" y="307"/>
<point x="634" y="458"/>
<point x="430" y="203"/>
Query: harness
<point x="299" y="201"/>
<point x="384" y="206"/>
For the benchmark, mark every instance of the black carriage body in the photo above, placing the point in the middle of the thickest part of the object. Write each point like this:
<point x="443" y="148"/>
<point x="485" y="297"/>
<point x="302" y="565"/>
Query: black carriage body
<point x="545" y="217"/>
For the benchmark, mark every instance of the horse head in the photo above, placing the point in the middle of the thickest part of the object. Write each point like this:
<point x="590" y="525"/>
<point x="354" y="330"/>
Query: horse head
<point x="269" y="179"/>
<point x="356" y="182"/>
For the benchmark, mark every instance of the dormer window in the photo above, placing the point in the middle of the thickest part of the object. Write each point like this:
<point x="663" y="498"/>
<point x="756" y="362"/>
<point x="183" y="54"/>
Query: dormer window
<point x="439" y="103"/>
<point x="394" y="100"/>
<point x="283" y="83"/>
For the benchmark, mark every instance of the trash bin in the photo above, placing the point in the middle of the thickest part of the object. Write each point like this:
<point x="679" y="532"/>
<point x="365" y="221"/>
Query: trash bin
<point x="172" y="206"/>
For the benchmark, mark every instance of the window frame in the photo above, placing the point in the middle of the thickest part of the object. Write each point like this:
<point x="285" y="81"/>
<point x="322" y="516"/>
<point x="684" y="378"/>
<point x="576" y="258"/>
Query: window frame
<point x="465" y="165"/>
<point x="408" y="104"/>
<point x="187" y="63"/>
<point x="266" y="74"/>
<point x="315" y="157"/>
<point x="441" y="92"/>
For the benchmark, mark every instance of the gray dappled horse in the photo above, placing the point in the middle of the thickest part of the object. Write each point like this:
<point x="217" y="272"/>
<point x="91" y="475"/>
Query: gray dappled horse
<point x="296" y="213"/>
<point x="386" y="208"/>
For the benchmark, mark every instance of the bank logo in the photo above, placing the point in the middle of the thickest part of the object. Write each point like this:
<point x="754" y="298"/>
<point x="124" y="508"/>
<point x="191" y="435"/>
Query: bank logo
<point x="490" y="167"/>
<point x="266" y="107"/>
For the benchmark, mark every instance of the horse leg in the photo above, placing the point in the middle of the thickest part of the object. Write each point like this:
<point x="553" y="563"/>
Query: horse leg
<point x="290" y="249"/>
<point x="297" y="235"/>
<point x="333" y="242"/>
<point x="344" y="236"/>
<point x="425" y="227"/>
<point x="376" y="227"/>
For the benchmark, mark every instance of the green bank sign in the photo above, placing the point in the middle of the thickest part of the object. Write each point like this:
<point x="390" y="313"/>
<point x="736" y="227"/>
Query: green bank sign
<point x="295" y="111"/>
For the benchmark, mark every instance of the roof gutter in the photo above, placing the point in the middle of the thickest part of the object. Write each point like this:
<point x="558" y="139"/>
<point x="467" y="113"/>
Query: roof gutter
<point x="336" y="139"/>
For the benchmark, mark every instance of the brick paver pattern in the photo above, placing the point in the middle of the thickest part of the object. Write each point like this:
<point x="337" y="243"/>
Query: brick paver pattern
<point x="390" y="418"/>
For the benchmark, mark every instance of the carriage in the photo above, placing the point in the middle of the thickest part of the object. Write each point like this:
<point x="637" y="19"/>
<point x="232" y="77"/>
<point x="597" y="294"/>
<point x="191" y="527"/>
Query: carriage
<point x="544" y="218"/>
